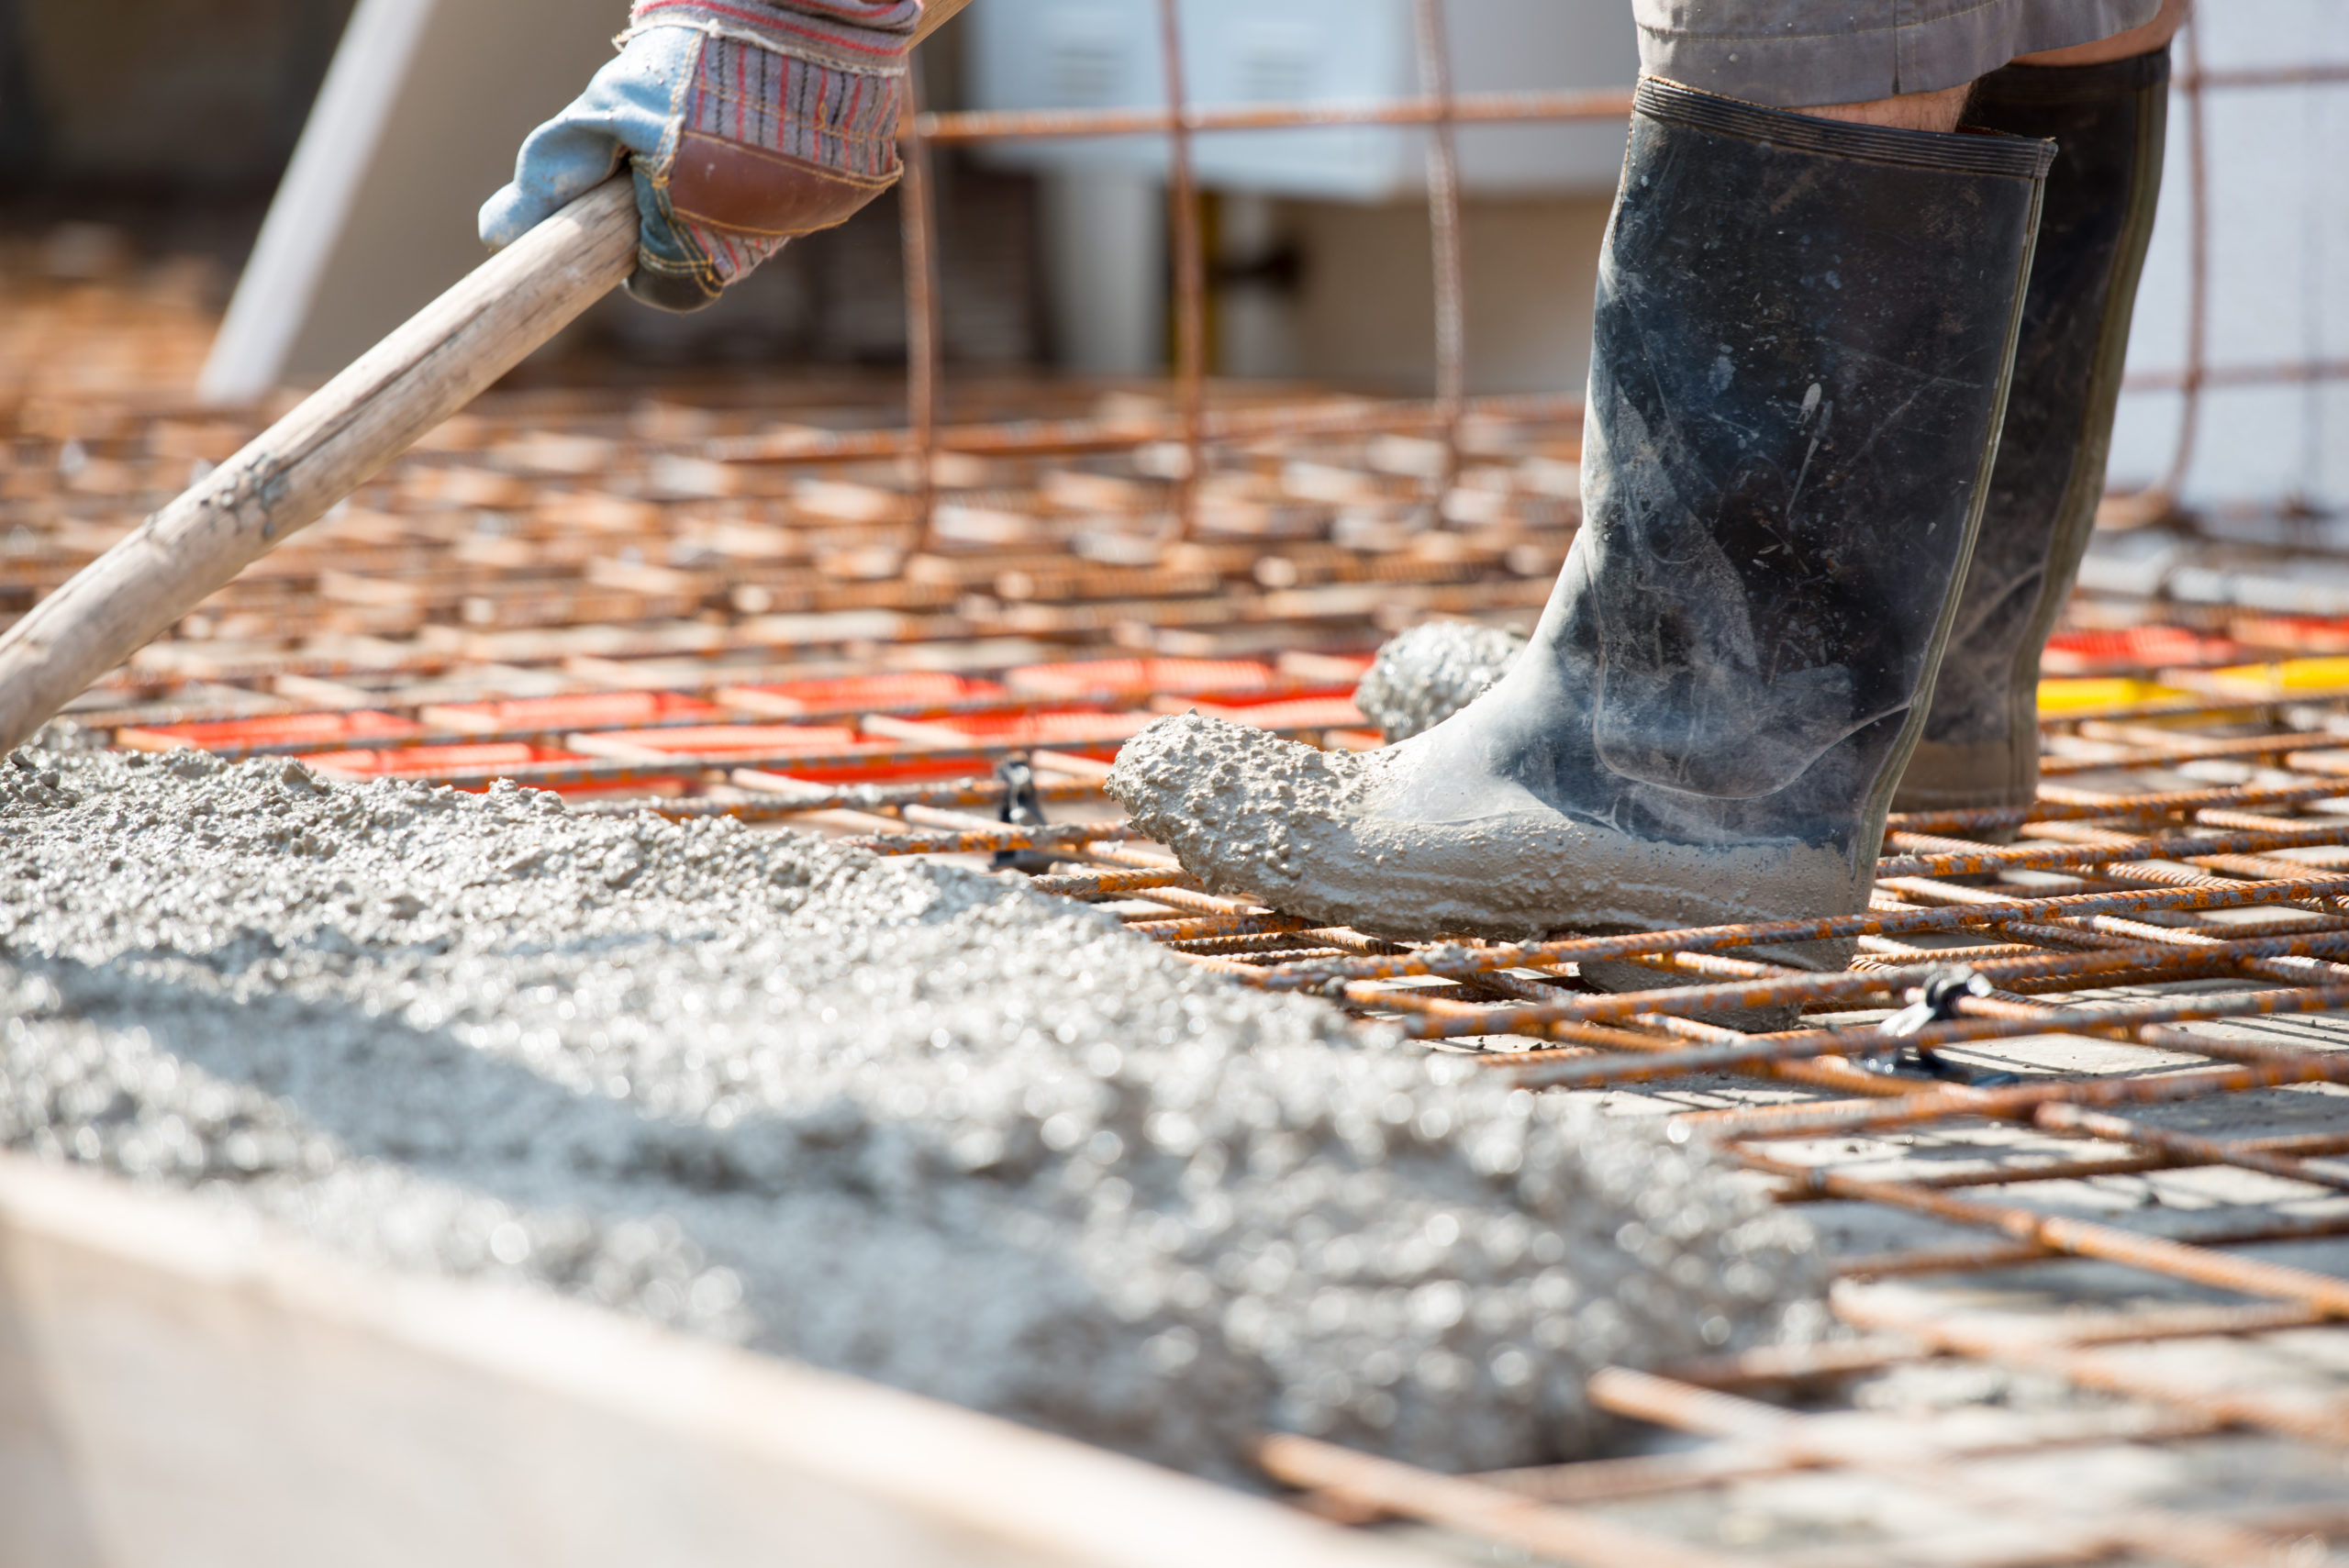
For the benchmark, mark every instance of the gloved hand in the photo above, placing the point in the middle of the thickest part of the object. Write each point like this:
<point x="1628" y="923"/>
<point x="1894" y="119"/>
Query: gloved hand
<point x="747" y="122"/>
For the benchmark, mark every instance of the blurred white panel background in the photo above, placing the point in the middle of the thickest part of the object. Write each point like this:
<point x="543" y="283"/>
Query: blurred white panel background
<point x="2278" y="180"/>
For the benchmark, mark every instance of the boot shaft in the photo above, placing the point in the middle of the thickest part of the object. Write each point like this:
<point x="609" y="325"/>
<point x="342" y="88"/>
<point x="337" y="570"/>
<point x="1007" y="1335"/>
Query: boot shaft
<point x="1802" y="341"/>
<point x="1980" y="746"/>
<point x="1804" y="335"/>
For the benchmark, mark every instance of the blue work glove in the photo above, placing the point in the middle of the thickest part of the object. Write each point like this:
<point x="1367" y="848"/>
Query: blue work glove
<point x="747" y="123"/>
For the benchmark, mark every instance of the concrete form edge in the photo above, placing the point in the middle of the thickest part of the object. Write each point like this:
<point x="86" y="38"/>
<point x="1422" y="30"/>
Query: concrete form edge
<point x="1036" y="1493"/>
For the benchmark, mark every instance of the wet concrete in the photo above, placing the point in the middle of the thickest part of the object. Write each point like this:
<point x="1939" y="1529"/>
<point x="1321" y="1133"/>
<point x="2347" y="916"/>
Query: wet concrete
<point x="899" y="1120"/>
<point x="1421" y="841"/>
<point x="1432" y="672"/>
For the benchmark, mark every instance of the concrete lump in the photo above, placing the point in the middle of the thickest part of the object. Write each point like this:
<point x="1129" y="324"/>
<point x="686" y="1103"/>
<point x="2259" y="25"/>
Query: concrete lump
<point x="1432" y="672"/>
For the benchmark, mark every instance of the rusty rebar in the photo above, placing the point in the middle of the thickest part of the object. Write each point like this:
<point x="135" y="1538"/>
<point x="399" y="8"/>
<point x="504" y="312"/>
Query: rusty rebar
<point x="813" y="718"/>
<point x="2111" y="1129"/>
<point x="2198" y="262"/>
<point x="2057" y="803"/>
<point x="584" y="775"/>
<point x="2088" y="1166"/>
<point x="2079" y="1238"/>
<point x="2108" y="1022"/>
<point x="1849" y="987"/>
<point x="1805" y="1441"/>
<point x="1038" y="437"/>
<point x="1496" y="1513"/>
<point x="2211" y="377"/>
<point x="1111" y="884"/>
<point x="1943" y="1102"/>
<point x="1945" y="858"/>
<point x="1981" y="1256"/>
<point x="1190" y="274"/>
<point x="979" y="840"/>
<point x="1485" y="108"/>
<point x="2324" y="1421"/>
<point x="1455" y="961"/>
<point x="1443" y="223"/>
<point x="861" y="797"/>
<point x="917" y="216"/>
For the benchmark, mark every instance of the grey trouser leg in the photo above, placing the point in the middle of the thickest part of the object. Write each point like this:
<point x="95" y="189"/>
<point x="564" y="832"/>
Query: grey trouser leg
<point x="1796" y="53"/>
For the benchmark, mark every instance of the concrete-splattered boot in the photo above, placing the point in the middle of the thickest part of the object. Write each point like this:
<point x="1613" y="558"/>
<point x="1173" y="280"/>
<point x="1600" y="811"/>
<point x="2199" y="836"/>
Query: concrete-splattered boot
<point x="1803" y="338"/>
<point x="1981" y="740"/>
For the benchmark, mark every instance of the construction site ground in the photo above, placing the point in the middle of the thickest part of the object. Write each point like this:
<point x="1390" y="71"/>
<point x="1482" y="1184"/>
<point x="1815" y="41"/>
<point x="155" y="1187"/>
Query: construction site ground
<point x="2090" y="1308"/>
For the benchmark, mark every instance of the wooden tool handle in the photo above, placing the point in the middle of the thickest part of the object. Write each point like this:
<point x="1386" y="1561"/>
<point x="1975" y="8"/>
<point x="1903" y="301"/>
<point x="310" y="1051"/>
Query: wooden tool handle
<point x="936" y="14"/>
<point x="450" y="353"/>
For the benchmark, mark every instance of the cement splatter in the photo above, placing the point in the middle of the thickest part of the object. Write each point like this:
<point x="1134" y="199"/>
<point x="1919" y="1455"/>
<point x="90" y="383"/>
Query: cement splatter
<point x="1412" y="842"/>
<point x="901" y="1120"/>
<point x="1432" y="672"/>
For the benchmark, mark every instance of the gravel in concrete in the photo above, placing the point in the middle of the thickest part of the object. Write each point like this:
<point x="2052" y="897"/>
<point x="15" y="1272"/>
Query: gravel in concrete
<point x="1426" y="675"/>
<point x="895" y="1118"/>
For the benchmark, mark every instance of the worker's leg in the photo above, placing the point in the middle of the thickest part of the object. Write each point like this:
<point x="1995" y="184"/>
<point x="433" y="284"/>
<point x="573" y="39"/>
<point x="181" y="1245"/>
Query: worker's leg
<point x="1801" y="358"/>
<point x="2152" y="36"/>
<point x="1911" y="111"/>
<point x="1868" y="59"/>
<point x="1801" y="349"/>
<point x="1925" y="55"/>
<point x="2103" y="104"/>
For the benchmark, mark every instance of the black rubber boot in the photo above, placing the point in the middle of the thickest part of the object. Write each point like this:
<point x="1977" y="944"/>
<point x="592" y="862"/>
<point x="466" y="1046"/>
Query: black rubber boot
<point x="1981" y="740"/>
<point x="1803" y="337"/>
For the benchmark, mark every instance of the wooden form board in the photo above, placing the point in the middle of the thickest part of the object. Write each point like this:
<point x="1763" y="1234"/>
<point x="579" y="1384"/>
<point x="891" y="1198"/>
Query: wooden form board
<point x="181" y="1389"/>
<point x="417" y="123"/>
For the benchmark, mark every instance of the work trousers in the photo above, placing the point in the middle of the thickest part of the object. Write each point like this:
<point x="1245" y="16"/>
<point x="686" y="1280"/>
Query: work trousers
<point x="1797" y="53"/>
